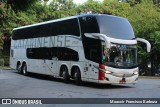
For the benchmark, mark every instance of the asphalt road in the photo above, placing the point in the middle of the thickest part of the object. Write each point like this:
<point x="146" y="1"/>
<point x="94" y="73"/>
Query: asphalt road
<point x="14" y="85"/>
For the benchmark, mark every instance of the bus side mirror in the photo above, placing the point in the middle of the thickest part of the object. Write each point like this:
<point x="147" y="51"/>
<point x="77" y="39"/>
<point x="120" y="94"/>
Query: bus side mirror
<point x="146" y="42"/>
<point x="99" y="36"/>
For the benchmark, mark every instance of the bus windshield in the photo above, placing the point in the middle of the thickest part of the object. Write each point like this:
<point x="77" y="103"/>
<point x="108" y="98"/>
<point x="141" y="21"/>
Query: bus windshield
<point x="115" y="27"/>
<point x="120" y="56"/>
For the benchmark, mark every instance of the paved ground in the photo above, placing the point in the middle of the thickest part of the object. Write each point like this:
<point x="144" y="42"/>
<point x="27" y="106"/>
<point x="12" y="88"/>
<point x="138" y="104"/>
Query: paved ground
<point x="14" y="85"/>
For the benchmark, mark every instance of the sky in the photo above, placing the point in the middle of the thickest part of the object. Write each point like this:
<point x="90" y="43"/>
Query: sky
<point x="81" y="1"/>
<point x="76" y="1"/>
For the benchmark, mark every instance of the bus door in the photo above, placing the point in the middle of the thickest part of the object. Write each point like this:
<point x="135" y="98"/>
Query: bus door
<point x="51" y="66"/>
<point x="86" y="71"/>
<point x="92" y="63"/>
<point x="92" y="70"/>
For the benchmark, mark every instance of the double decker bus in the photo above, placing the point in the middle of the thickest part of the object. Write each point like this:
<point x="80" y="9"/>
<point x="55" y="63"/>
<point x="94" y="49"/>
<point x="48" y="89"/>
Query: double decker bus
<point x="93" y="47"/>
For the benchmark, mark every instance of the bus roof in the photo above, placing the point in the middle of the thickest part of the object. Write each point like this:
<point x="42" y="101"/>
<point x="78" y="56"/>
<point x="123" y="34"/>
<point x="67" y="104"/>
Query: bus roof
<point x="61" y="19"/>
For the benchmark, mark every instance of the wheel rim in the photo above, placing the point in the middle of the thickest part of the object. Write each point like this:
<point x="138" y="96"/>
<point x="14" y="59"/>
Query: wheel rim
<point x="24" y="69"/>
<point x="75" y="74"/>
<point x="19" y="68"/>
<point x="64" y="72"/>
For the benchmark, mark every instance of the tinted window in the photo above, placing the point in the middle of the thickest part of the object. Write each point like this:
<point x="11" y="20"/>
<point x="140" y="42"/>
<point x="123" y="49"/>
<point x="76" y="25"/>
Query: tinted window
<point x="66" y="27"/>
<point x="64" y="54"/>
<point x="39" y="53"/>
<point x="92" y="47"/>
<point x="89" y="24"/>
<point x="115" y="27"/>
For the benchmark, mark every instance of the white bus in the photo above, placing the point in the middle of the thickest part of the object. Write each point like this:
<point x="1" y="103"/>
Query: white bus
<point x="93" y="47"/>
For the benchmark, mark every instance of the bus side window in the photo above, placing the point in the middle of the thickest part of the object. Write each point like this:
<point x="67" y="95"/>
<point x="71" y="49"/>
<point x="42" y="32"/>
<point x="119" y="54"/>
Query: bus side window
<point x="63" y="54"/>
<point x="93" y="55"/>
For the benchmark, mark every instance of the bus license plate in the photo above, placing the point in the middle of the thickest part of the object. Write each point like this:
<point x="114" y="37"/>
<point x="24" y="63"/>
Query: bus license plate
<point x="122" y="82"/>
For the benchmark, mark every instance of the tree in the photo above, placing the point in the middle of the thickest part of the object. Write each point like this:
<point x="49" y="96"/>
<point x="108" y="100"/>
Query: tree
<point x="9" y="10"/>
<point x="145" y="18"/>
<point x="18" y="5"/>
<point x="90" y="7"/>
<point x="62" y="4"/>
<point x="116" y="8"/>
<point x="157" y="2"/>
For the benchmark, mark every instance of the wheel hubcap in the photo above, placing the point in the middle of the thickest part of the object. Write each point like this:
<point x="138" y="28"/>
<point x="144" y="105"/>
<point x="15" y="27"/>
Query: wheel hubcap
<point x="19" y="68"/>
<point x="24" y="70"/>
<point x="64" y="72"/>
<point x="75" y="75"/>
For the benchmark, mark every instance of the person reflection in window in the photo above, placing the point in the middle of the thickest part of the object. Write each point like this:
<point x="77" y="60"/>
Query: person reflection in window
<point x="106" y="55"/>
<point x="114" y="54"/>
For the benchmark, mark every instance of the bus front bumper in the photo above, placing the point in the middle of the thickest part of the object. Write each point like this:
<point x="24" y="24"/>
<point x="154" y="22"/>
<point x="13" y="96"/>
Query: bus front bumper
<point x="111" y="79"/>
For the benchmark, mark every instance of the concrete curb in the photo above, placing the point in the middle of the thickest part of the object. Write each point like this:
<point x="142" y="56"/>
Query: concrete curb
<point x="5" y="68"/>
<point x="149" y="77"/>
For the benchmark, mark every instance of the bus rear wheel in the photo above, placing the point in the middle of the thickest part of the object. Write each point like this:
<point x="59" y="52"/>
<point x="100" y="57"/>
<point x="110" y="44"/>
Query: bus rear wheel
<point x="65" y="74"/>
<point x="24" y="69"/>
<point x="19" y="68"/>
<point x="77" y="76"/>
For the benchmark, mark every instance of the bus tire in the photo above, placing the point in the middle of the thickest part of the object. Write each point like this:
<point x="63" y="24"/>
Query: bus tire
<point x="18" y="68"/>
<point x="77" y="76"/>
<point x="65" y="74"/>
<point x="24" y="69"/>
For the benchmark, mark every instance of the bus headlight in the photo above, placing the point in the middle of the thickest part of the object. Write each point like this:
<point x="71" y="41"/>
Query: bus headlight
<point x="135" y="72"/>
<point x="108" y="72"/>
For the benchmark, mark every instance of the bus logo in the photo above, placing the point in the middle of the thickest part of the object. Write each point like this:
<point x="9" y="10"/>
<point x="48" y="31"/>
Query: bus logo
<point x="6" y="101"/>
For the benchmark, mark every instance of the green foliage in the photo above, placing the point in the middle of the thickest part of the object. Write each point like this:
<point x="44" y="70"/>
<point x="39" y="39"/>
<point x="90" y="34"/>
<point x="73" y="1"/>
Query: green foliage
<point x="91" y="6"/>
<point x="155" y="40"/>
<point x="18" y="5"/>
<point x="117" y="8"/>
<point x="144" y="16"/>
